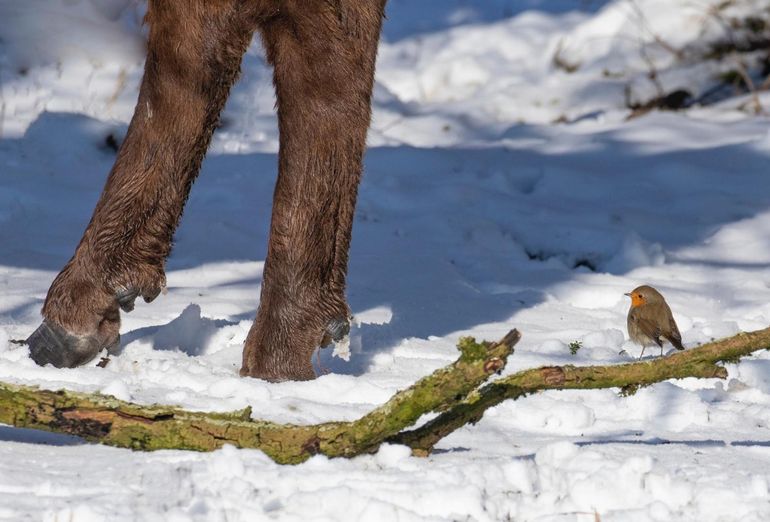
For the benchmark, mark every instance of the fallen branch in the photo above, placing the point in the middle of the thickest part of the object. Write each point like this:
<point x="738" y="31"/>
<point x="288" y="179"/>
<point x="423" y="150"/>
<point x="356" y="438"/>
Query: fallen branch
<point x="109" y="421"/>
<point x="452" y="390"/>
<point x="698" y="362"/>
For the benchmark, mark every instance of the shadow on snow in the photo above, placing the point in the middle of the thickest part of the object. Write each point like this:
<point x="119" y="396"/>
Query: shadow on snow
<point x="444" y="239"/>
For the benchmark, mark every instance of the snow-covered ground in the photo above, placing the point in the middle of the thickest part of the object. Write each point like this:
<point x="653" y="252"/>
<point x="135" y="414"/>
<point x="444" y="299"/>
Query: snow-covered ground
<point x="500" y="191"/>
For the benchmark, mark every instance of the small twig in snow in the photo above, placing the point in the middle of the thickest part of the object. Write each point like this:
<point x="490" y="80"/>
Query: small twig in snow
<point x="740" y="67"/>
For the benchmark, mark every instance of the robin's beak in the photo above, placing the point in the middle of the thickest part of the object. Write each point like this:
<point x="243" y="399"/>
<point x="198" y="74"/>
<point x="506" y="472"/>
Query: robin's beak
<point x="627" y="294"/>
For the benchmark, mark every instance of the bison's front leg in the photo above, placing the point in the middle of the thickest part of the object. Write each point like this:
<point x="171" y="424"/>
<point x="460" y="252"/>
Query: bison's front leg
<point x="323" y="53"/>
<point x="194" y="54"/>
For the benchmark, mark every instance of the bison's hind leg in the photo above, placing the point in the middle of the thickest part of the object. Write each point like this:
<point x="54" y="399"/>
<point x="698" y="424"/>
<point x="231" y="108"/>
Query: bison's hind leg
<point x="323" y="54"/>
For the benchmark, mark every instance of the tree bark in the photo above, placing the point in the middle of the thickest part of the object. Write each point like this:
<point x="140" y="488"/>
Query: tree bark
<point x="109" y="421"/>
<point x="453" y="391"/>
<point x="698" y="362"/>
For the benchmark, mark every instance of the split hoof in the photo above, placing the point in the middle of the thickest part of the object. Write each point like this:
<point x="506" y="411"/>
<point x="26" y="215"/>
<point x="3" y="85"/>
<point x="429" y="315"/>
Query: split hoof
<point x="52" y="344"/>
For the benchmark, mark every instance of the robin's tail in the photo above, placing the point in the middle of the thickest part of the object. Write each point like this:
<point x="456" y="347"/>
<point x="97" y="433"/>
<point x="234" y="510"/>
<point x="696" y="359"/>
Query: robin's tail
<point x="675" y="341"/>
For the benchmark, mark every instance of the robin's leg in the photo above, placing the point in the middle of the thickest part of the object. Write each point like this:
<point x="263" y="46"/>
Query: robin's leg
<point x="641" y="354"/>
<point x="193" y="57"/>
<point x="323" y="53"/>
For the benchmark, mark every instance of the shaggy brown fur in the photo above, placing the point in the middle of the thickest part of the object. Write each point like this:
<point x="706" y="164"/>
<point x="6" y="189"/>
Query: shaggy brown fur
<point x="323" y="54"/>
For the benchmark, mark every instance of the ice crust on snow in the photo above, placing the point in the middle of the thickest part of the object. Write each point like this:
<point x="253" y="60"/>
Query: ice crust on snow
<point x="477" y="213"/>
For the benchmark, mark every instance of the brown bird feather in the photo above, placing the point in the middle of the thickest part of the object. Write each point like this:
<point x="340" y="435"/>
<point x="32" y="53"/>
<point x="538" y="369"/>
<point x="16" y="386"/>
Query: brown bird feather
<point x="650" y="320"/>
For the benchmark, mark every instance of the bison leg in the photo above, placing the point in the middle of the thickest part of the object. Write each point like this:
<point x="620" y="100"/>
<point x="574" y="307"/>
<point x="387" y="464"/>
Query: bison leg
<point x="193" y="57"/>
<point x="323" y="53"/>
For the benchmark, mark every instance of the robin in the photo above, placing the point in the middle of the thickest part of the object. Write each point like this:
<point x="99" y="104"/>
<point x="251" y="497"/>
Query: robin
<point x="650" y="320"/>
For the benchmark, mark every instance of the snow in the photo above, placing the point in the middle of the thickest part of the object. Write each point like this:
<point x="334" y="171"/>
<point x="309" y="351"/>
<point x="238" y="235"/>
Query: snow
<point x="500" y="191"/>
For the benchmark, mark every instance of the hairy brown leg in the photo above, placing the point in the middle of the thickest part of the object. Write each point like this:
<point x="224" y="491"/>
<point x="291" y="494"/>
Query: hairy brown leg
<point x="323" y="52"/>
<point x="193" y="57"/>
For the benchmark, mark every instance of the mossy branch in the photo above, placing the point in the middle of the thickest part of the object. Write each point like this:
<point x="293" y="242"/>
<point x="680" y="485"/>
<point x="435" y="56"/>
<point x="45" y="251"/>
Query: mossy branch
<point x="107" y="420"/>
<point x="453" y="390"/>
<point x="698" y="362"/>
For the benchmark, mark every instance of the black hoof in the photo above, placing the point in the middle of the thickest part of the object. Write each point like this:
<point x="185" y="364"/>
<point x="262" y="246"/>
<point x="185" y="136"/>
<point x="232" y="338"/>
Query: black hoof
<point x="51" y="344"/>
<point x="127" y="297"/>
<point x="336" y="331"/>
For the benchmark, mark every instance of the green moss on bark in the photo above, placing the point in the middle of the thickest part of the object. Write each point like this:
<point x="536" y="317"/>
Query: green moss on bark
<point x="698" y="362"/>
<point x="107" y="420"/>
